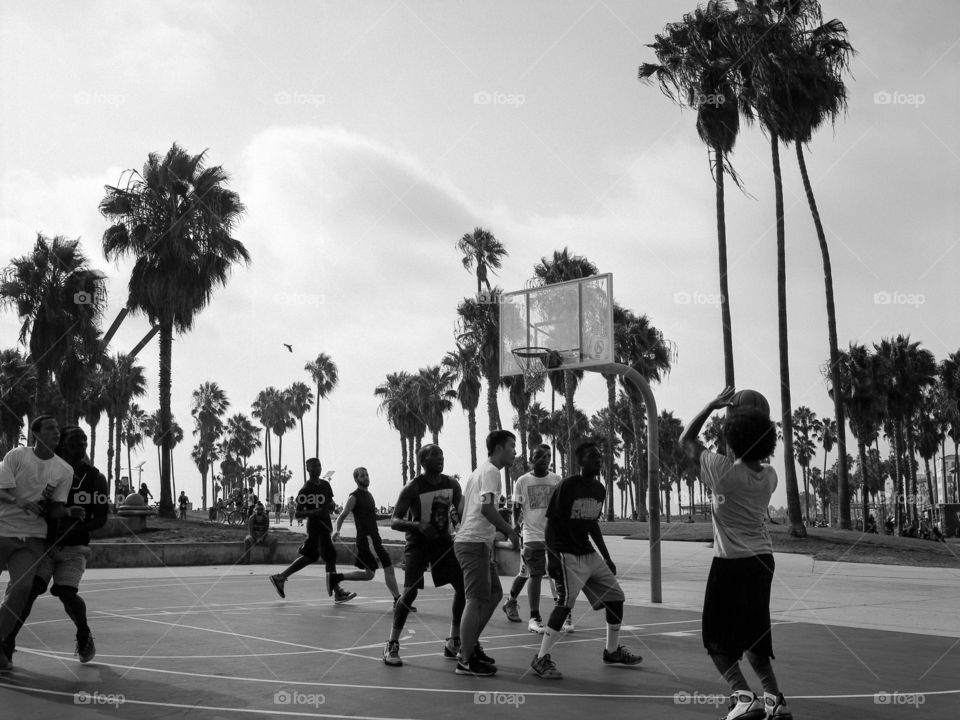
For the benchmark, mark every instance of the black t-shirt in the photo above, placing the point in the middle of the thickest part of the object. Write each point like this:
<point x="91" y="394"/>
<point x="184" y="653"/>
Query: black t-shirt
<point x="422" y="501"/>
<point x="364" y="514"/>
<point x="574" y="509"/>
<point x="316" y="496"/>
<point x="89" y="491"/>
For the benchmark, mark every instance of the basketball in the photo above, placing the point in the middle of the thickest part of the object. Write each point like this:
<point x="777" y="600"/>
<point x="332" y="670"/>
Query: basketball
<point x="750" y="399"/>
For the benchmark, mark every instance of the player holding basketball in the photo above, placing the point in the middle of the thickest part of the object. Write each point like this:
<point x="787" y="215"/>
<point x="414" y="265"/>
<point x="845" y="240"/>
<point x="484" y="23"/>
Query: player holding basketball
<point x="315" y="503"/>
<point x="572" y="521"/>
<point x="736" y="605"/>
<point x="427" y="510"/>
<point x="361" y="503"/>
<point x="531" y="496"/>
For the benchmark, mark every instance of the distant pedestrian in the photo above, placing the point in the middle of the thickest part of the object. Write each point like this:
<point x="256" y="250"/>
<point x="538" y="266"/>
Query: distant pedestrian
<point x="291" y="509"/>
<point x="182" y="503"/>
<point x="145" y="493"/>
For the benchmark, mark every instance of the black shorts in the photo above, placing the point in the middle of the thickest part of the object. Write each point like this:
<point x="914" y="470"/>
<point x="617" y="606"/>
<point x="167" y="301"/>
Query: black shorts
<point x="736" y="607"/>
<point x="366" y="547"/>
<point x="318" y="545"/>
<point x="444" y="568"/>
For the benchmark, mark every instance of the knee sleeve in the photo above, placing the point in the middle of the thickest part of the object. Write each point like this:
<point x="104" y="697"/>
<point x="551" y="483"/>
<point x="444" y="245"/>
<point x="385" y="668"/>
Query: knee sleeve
<point x="614" y="612"/>
<point x="557" y="617"/>
<point x="64" y="592"/>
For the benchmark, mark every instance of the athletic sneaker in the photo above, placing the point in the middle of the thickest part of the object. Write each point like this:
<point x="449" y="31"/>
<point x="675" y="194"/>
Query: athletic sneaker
<point x="568" y="624"/>
<point x="451" y="651"/>
<point x="277" y="581"/>
<point x="409" y="609"/>
<point x="341" y="596"/>
<point x="535" y="626"/>
<point x="510" y="608"/>
<point x="545" y="668"/>
<point x="481" y="655"/>
<point x="86" y="650"/>
<point x="621" y="656"/>
<point x="5" y="663"/>
<point x="744" y="705"/>
<point x="776" y="707"/>
<point x="391" y="654"/>
<point x="475" y="667"/>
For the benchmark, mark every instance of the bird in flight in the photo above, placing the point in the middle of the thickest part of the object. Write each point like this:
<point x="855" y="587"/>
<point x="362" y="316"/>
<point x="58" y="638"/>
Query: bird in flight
<point x="288" y="347"/>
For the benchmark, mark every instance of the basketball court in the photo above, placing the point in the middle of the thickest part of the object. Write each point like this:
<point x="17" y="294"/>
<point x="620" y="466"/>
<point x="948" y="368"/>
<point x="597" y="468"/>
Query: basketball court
<point x="212" y="642"/>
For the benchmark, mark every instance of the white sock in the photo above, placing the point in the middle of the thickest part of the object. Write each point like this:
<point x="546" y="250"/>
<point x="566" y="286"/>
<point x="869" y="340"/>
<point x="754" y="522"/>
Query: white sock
<point x="613" y="637"/>
<point x="550" y="637"/>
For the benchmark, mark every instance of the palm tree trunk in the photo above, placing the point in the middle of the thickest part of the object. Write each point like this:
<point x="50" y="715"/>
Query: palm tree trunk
<point x="166" y="353"/>
<point x="569" y="414"/>
<point x="435" y="434"/>
<point x="911" y="472"/>
<point x="638" y="467"/>
<point x="472" y="425"/>
<point x="493" y="410"/>
<point x="129" y="464"/>
<point x="898" y="480"/>
<point x="274" y="483"/>
<point x="110" y="478"/>
<point x="316" y="449"/>
<point x="303" y="449"/>
<point x="93" y="442"/>
<point x="116" y="457"/>
<point x="806" y="493"/>
<point x="786" y="410"/>
<point x="724" y="289"/>
<point x="926" y="464"/>
<point x="862" y="454"/>
<point x="403" y="457"/>
<point x="411" y="456"/>
<point x="843" y="479"/>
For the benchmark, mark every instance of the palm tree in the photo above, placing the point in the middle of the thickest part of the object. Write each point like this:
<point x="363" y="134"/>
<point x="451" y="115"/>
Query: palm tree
<point x="391" y="394"/>
<point x="928" y="433"/>
<point x="478" y="327"/>
<point x="672" y="459"/>
<point x="433" y="386"/>
<point x="325" y="376"/>
<point x="241" y="438"/>
<point x="283" y="421"/>
<point x="93" y="403"/>
<point x="520" y="401"/>
<point x="559" y="268"/>
<point x="482" y="249"/>
<point x="60" y="301"/>
<point x="176" y="219"/>
<point x="132" y="434"/>
<point x="949" y="380"/>
<point x="265" y="408"/>
<point x="827" y="435"/>
<point x="208" y="406"/>
<point x="464" y="365"/>
<point x="18" y="386"/>
<point x="125" y="381"/>
<point x="694" y="70"/>
<point x="806" y="424"/>
<point x="300" y="399"/>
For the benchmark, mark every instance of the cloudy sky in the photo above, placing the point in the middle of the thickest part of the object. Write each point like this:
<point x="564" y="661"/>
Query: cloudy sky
<point x="366" y="138"/>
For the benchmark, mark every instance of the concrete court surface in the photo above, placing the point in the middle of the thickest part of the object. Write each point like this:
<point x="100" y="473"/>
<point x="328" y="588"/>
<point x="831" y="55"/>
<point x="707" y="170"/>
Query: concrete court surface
<point x="852" y="641"/>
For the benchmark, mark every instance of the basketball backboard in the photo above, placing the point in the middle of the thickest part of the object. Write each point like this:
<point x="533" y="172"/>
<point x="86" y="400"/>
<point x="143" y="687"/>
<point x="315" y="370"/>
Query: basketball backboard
<point x="574" y="319"/>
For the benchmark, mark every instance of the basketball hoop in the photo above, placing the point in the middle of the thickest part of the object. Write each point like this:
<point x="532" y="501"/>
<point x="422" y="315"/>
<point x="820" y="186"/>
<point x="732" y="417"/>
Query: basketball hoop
<point x="534" y="361"/>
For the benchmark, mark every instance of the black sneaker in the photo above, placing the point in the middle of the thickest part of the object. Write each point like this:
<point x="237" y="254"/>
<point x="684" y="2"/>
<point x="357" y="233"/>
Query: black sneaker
<point x="86" y="650"/>
<point x="277" y="581"/>
<point x="342" y="596"/>
<point x="409" y="609"/>
<point x="476" y="667"/>
<point x="545" y="668"/>
<point x="391" y="654"/>
<point x="6" y="664"/>
<point x="452" y="653"/>
<point x="621" y="656"/>
<point x="481" y="655"/>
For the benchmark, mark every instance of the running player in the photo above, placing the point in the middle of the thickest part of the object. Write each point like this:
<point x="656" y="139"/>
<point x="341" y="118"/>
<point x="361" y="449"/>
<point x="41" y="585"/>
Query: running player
<point x="474" y="549"/>
<point x="364" y="508"/>
<point x="427" y="509"/>
<point x="572" y="521"/>
<point x="68" y="542"/>
<point x="736" y="604"/>
<point x="531" y="495"/>
<point x="315" y="503"/>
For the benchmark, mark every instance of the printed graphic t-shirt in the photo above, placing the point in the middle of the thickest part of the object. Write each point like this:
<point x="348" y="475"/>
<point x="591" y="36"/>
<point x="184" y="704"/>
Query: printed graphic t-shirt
<point x="574" y="509"/>
<point x="422" y="501"/>
<point x="739" y="504"/>
<point x="533" y="494"/>
<point x="485" y="480"/>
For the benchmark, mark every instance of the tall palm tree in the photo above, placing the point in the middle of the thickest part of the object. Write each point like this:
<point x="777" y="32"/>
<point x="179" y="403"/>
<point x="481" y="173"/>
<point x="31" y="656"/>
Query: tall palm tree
<point x="60" y="300"/>
<point x="176" y="219"/>
<point x="434" y="388"/>
<point x="694" y="70"/>
<point x="325" y="376"/>
<point x="265" y="408"/>
<point x="93" y="403"/>
<point x="241" y="439"/>
<point x="806" y="425"/>
<point x="18" y="385"/>
<point x="465" y="366"/>
<point x="481" y="249"/>
<point x="561" y="267"/>
<point x="394" y="403"/>
<point x="300" y="399"/>
<point x="949" y="380"/>
<point x="132" y="434"/>
<point x="478" y="327"/>
<point x="283" y="420"/>
<point x="672" y="459"/>
<point x="208" y="406"/>
<point x="520" y="401"/>
<point x="125" y="381"/>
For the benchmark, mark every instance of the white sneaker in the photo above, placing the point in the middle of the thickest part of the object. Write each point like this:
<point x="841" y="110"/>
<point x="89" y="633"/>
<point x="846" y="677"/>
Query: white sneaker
<point x="568" y="624"/>
<point x="744" y="705"/>
<point x="776" y="707"/>
<point x="535" y="626"/>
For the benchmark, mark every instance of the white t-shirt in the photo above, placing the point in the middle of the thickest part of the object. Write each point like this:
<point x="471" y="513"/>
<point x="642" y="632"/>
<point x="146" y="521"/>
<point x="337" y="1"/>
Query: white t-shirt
<point x="474" y="527"/>
<point x="27" y="475"/>
<point x="533" y="494"/>
<point x="739" y="503"/>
